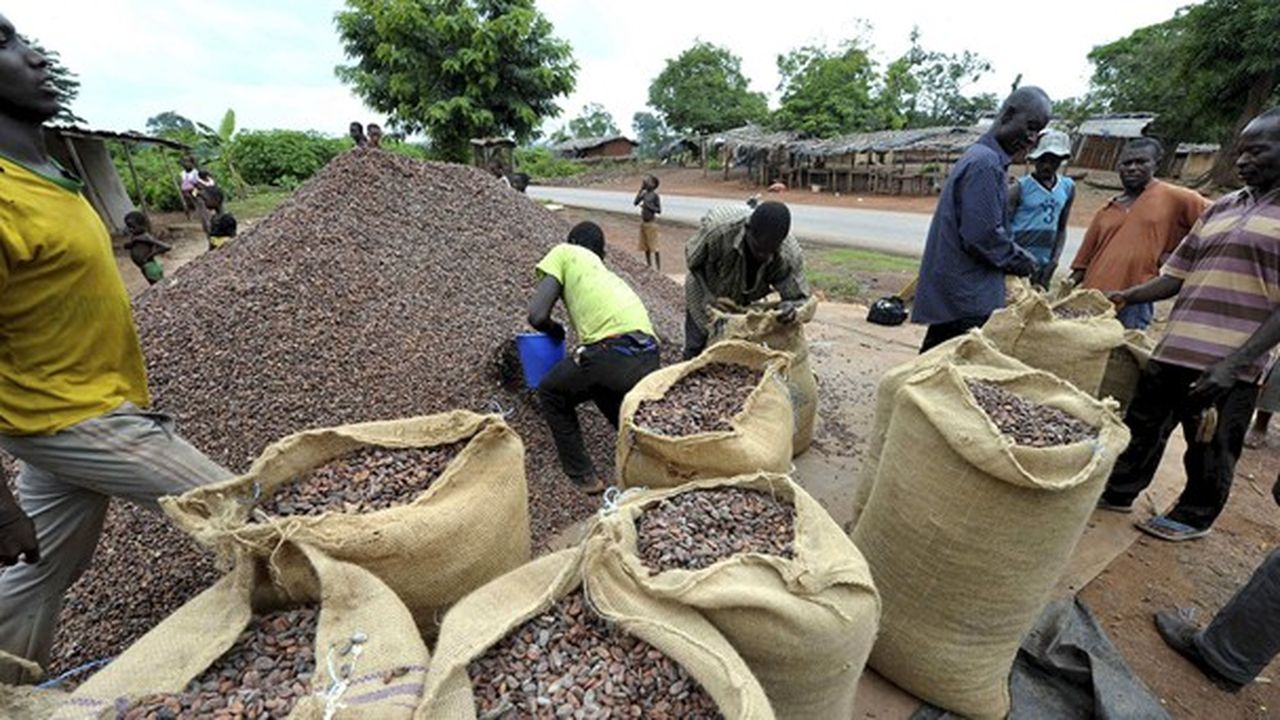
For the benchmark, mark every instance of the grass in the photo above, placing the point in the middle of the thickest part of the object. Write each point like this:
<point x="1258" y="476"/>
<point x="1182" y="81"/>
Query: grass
<point x="843" y="274"/>
<point x="257" y="205"/>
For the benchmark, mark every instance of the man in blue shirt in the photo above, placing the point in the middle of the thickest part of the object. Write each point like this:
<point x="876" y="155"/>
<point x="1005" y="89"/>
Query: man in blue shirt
<point x="969" y="249"/>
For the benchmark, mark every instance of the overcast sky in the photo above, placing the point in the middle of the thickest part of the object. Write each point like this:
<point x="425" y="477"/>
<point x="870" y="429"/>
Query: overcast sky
<point x="272" y="60"/>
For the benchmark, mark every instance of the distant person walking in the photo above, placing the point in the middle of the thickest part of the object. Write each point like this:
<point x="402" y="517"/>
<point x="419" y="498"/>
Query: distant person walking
<point x="969" y="249"/>
<point x="1226" y="277"/>
<point x="650" y="207"/>
<point x="1040" y="204"/>
<point x="1133" y="234"/>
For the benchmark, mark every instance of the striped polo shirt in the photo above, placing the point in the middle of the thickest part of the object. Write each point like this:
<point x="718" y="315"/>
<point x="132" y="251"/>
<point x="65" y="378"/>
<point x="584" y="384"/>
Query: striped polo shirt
<point x="1229" y="265"/>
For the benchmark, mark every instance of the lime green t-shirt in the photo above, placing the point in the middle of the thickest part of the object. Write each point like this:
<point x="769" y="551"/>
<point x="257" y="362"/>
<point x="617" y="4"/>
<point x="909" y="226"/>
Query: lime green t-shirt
<point x="600" y="303"/>
<point x="68" y="347"/>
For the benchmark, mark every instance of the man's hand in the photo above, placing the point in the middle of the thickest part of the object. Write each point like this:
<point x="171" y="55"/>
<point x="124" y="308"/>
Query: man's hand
<point x="1212" y="384"/>
<point x="17" y="535"/>
<point x="1117" y="298"/>
<point x="555" y="331"/>
<point x="787" y="312"/>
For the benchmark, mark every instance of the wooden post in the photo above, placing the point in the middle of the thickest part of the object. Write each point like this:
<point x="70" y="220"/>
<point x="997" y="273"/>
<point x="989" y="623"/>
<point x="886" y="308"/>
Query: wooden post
<point x="89" y="187"/>
<point x="133" y="174"/>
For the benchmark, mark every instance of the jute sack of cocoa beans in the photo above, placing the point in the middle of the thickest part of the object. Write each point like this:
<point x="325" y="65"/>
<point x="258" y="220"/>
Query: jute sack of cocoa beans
<point x="770" y="570"/>
<point x="1072" y="339"/>
<point x="24" y="700"/>
<point x="470" y="525"/>
<point x="986" y="481"/>
<point x="726" y="412"/>
<point x="1017" y="289"/>
<point x="547" y="640"/>
<point x="326" y="640"/>
<point x="972" y="348"/>
<point x="1125" y="366"/>
<point x="759" y="324"/>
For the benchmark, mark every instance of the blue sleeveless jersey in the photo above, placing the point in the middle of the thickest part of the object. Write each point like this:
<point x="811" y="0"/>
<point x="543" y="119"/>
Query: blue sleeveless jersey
<point x="1035" y="221"/>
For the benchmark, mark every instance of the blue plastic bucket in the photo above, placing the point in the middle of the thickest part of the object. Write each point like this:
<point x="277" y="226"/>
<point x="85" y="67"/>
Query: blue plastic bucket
<point x="538" y="353"/>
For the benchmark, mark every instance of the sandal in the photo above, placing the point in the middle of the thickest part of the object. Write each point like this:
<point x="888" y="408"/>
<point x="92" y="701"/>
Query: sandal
<point x="1170" y="530"/>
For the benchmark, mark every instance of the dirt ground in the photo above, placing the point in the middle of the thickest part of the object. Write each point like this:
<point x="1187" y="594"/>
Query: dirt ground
<point x="849" y="356"/>
<point x="692" y="181"/>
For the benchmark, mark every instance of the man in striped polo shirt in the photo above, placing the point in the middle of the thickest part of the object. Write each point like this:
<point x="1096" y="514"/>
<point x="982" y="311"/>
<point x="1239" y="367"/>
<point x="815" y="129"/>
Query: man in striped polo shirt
<point x="1226" y="276"/>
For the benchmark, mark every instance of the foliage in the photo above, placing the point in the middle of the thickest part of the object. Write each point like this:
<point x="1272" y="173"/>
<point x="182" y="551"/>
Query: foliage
<point x="539" y="162"/>
<point x="827" y="92"/>
<point x="703" y="90"/>
<point x="593" y="122"/>
<point x="282" y="158"/>
<point x="651" y="133"/>
<point x="926" y="88"/>
<point x="170" y="124"/>
<point x="1069" y="113"/>
<point x="455" y="69"/>
<point x="1206" y="71"/>
<point x="64" y="81"/>
<point x="157" y="176"/>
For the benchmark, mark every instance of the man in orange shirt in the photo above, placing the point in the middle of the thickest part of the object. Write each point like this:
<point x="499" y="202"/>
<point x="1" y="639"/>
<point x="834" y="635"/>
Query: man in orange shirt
<point x="1131" y="236"/>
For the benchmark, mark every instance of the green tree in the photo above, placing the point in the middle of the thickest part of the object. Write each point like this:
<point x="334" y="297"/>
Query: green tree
<point x="593" y="122"/>
<point x="64" y="81"/>
<point x="456" y="69"/>
<point x="827" y="92"/>
<point x="1070" y="112"/>
<point x="169" y="123"/>
<point x="1207" y="71"/>
<point x="929" y="88"/>
<point x="650" y="132"/>
<point x="703" y="90"/>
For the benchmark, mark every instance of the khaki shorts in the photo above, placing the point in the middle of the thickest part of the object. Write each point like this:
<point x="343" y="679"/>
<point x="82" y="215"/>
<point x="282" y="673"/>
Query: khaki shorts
<point x="648" y="237"/>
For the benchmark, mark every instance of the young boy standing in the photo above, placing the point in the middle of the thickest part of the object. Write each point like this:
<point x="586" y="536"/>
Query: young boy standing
<point x="144" y="249"/>
<point x="1040" y="203"/>
<point x="650" y="207"/>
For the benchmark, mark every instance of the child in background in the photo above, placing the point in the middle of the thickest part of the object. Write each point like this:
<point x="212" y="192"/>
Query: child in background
<point x="222" y="226"/>
<point x="143" y="247"/>
<point x="650" y="206"/>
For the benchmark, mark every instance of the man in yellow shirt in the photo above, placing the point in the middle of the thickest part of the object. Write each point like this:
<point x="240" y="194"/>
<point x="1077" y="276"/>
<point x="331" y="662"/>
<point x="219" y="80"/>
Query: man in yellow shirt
<point x="616" y="345"/>
<point x="72" y="380"/>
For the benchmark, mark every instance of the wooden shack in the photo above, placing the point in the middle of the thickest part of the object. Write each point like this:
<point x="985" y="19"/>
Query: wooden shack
<point x="1193" y="161"/>
<point x="1099" y="139"/>
<point x="614" y="147"/>
<point x="894" y="162"/>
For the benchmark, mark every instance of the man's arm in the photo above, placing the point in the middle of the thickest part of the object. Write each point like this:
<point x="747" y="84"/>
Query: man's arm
<point x="1015" y="197"/>
<point x="1088" y="248"/>
<point x="790" y="281"/>
<point x="544" y="299"/>
<point x="1061" y="240"/>
<point x="17" y="532"/>
<point x="982" y="230"/>
<point x="1161" y="287"/>
<point x="1221" y="376"/>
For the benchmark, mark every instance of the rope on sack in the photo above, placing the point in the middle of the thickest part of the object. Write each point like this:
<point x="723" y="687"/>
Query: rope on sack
<point x="615" y="496"/>
<point x="91" y="665"/>
<point x="340" y="677"/>
<point x="494" y="406"/>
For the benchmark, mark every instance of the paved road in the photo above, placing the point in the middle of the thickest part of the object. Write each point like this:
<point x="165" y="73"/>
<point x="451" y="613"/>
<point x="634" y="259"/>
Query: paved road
<point x="895" y="232"/>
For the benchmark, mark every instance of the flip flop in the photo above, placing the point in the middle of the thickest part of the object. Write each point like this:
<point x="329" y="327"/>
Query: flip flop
<point x="1170" y="530"/>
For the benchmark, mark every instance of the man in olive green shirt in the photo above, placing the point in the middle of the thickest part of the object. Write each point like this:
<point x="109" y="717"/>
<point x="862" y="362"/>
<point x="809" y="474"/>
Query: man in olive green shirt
<point x="741" y="255"/>
<point x="616" y="344"/>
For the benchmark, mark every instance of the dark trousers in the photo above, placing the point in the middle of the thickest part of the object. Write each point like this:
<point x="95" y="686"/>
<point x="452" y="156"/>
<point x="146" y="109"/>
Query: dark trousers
<point x="1159" y="405"/>
<point x="602" y="373"/>
<point x="695" y="338"/>
<point x="1244" y="636"/>
<point x="939" y="333"/>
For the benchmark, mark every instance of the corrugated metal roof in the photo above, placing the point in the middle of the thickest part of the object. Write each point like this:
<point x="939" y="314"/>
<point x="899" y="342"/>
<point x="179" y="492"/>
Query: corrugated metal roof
<point x="581" y="144"/>
<point x="944" y="138"/>
<point x="79" y="132"/>
<point x="751" y="137"/>
<point x="1125" y="125"/>
<point x="1198" y="148"/>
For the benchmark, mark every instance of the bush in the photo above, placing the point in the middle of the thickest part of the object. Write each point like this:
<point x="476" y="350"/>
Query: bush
<point x="282" y="158"/>
<point x="540" y="162"/>
<point x="157" y="175"/>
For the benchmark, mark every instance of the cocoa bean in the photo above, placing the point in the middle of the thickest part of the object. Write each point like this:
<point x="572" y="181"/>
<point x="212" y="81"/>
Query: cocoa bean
<point x="705" y="400"/>
<point x="698" y="528"/>
<point x="1029" y="423"/>
<point x="372" y="478"/>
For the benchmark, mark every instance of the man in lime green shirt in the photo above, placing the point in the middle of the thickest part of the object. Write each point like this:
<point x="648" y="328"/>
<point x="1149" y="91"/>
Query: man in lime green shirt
<point x="616" y="344"/>
<point x="72" y="380"/>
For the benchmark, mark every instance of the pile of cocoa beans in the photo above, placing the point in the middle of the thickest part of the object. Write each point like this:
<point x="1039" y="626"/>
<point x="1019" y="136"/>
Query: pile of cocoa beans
<point x="1029" y="423"/>
<point x="705" y="400"/>
<point x="568" y="662"/>
<point x="698" y="528"/>
<point x="372" y="478"/>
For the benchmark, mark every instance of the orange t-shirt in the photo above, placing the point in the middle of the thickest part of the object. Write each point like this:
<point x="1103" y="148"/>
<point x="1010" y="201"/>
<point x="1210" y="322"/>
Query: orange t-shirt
<point x="1124" y="245"/>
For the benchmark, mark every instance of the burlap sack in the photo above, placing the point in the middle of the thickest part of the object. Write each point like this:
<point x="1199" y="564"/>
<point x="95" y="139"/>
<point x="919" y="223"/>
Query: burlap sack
<point x="1125" y="366"/>
<point x="1017" y="289"/>
<point x="759" y="324"/>
<point x="1075" y="350"/>
<point x="23" y="700"/>
<point x="966" y="532"/>
<point x="971" y="348"/>
<point x="486" y="616"/>
<point x="804" y="625"/>
<point x="759" y="441"/>
<point x="386" y="678"/>
<point x="469" y="527"/>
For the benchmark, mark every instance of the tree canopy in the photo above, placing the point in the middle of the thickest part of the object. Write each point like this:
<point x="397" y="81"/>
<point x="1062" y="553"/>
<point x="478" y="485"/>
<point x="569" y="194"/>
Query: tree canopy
<point x="703" y="90"/>
<point x="925" y="88"/>
<point x="1206" y="71"/>
<point x="651" y="133"/>
<point x="593" y="122"/>
<point x="66" y="82"/>
<point x="827" y="92"/>
<point x="456" y="69"/>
